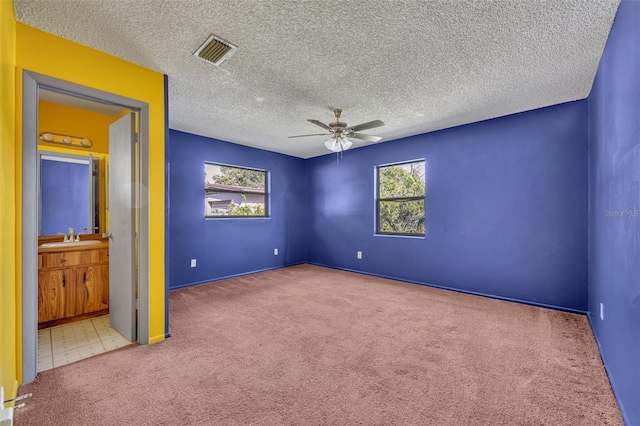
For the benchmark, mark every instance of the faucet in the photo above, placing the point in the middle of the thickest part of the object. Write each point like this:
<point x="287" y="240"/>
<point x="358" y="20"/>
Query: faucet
<point x="90" y="229"/>
<point x="69" y="237"/>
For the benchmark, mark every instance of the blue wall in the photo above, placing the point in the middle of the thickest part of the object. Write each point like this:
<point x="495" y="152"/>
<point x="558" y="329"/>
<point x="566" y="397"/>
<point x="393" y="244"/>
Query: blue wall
<point x="506" y="208"/>
<point x="614" y="224"/>
<point x="227" y="247"/>
<point x="517" y="207"/>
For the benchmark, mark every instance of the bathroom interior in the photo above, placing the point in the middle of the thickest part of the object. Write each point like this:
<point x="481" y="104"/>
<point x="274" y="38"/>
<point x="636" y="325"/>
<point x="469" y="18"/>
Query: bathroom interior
<point x="73" y="229"/>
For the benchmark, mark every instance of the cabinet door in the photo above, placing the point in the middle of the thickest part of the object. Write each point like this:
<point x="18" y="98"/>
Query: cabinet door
<point x="93" y="287"/>
<point x="74" y="302"/>
<point x="52" y="294"/>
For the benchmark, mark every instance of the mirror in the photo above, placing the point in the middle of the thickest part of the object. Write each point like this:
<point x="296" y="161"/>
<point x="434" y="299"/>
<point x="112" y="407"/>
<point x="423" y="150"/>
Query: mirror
<point x="68" y="193"/>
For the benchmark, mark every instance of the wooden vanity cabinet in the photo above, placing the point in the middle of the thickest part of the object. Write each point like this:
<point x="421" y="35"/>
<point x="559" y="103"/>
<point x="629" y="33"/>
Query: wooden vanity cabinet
<point x="72" y="283"/>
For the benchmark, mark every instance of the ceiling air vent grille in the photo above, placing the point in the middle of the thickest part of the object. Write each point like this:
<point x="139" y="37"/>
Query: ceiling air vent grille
<point x="215" y="50"/>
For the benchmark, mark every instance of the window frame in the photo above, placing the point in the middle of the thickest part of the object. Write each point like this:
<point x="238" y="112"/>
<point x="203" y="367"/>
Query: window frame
<point x="378" y="200"/>
<point x="266" y="193"/>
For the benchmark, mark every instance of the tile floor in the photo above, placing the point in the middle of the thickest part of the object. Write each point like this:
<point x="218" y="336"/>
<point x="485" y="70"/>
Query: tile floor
<point x="72" y="342"/>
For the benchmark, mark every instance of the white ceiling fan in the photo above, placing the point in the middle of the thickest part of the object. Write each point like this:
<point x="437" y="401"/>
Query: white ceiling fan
<point x="340" y="133"/>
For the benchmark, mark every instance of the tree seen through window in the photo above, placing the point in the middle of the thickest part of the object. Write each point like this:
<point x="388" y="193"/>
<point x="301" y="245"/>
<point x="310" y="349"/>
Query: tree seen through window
<point x="401" y="199"/>
<point x="235" y="191"/>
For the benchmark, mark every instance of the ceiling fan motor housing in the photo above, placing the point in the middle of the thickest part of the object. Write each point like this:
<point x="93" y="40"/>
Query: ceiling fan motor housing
<point x="338" y="125"/>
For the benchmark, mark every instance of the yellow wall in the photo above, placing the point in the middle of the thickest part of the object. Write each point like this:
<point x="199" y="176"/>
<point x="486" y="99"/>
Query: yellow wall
<point x="65" y="120"/>
<point x="8" y="234"/>
<point x="50" y="55"/>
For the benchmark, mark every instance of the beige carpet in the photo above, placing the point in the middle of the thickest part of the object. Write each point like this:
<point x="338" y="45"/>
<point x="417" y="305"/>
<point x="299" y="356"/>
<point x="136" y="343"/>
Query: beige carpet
<point x="313" y="346"/>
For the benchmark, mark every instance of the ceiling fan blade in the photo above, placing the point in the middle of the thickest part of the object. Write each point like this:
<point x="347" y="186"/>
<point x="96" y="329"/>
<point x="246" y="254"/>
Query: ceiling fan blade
<point x="321" y="124"/>
<point x="364" y="126"/>
<point x="315" y="134"/>
<point x="367" y="138"/>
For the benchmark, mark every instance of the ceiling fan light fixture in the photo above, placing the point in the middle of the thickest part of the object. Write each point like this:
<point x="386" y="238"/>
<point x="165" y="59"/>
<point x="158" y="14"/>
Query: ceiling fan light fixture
<point x="346" y="143"/>
<point x="338" y="144"/>
<point x="332" y="145"/>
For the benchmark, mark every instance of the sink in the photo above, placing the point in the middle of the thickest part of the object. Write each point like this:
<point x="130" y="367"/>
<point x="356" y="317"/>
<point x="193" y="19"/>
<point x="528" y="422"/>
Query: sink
<point x="70" y="244"/>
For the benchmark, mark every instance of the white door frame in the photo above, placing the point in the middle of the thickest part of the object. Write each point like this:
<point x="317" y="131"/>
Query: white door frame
<point x="32" y="82"/>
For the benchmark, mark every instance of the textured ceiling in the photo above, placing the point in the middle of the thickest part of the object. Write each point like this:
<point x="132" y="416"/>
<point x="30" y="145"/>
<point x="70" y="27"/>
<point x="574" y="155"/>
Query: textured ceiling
<point x="418" y="66"/>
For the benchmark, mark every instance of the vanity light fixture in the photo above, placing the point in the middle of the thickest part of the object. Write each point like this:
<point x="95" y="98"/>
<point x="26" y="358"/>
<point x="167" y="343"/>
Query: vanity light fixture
<point x="75" y="141"/>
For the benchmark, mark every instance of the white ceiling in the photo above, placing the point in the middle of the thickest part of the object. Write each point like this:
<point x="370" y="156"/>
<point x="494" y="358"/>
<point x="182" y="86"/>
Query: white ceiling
<point x="417" y="65"/>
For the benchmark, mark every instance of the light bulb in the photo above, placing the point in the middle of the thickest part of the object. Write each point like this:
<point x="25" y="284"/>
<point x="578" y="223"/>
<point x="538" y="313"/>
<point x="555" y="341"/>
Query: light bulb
<point x="67" y="139"/>
<point x="47" y="137"/>
<point x="346" y="144"/>
<point x="332" y="145"/>
<point x="86" y="142"/>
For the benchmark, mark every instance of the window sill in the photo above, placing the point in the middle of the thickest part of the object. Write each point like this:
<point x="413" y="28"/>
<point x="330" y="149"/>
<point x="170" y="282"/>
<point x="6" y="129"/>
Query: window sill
<point x="238" y="218"/>
<point x="415" y="237"/>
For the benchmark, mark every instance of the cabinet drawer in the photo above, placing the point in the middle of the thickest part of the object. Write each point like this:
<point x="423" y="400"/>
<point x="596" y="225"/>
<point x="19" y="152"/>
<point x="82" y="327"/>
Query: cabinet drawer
<point x="70" y="258"/>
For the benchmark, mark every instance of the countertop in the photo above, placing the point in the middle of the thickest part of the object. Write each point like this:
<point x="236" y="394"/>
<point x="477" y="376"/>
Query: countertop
<point x="103" y="244"/>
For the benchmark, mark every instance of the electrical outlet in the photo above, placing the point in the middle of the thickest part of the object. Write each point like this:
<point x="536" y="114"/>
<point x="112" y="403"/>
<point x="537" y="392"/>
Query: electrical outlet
<point x="275" y="251"/>
<point x="602" y="311"/>
<point x="359" y="255"/>
<point x="193" y="263"/>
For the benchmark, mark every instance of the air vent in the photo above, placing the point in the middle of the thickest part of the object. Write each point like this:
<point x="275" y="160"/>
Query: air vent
<point x="215" y="50"/>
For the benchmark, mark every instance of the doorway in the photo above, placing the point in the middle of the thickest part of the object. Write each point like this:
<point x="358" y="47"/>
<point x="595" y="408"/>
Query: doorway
<point x="74" y="309"/>
<point x="138" y="248"/>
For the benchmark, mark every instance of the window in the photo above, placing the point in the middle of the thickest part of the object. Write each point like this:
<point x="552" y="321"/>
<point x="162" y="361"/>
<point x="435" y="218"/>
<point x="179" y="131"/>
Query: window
<point x="231" y="191"/>
<point x="400" y="207"/>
